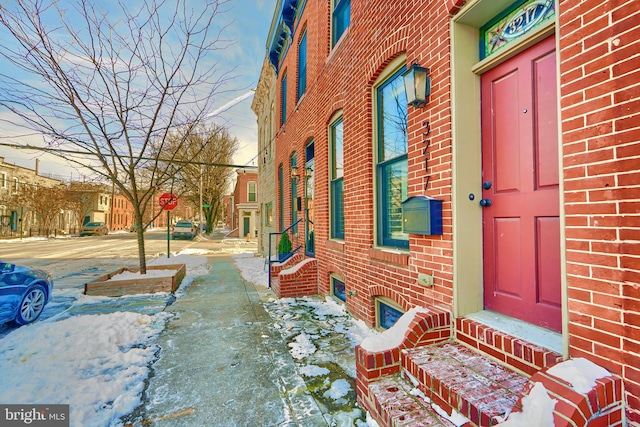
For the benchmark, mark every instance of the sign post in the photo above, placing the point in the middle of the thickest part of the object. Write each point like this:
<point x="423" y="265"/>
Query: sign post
<point x="168" y="201"/>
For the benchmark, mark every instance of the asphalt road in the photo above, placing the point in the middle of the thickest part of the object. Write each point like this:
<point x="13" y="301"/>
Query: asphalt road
<point x="116" y="245"/>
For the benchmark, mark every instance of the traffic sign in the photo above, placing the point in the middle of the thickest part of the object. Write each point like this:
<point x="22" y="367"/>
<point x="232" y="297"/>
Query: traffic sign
<point x="168" y="201"/>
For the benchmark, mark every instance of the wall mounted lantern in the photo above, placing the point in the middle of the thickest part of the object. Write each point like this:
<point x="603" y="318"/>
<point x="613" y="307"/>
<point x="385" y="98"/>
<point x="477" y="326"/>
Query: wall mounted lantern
<point x="417" y="85"/>
<point x="294" y="172"/>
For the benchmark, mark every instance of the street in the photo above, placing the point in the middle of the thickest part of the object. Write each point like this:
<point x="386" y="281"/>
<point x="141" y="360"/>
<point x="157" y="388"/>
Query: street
<point x="121" y="245"/>
<point x="74" y="261"/>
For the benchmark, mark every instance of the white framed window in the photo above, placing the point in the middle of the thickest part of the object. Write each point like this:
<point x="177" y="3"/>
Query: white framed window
<point x="251" y="191"/>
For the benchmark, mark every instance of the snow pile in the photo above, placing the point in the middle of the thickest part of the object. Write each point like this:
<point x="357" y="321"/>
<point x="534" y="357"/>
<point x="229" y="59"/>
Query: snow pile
<point x="95" y="363"/>
<point x="302" y="347"/>
<point x="151" y="274"/>
<point x="253" y="269"/>
<point x="338" y="389"/>
<point x="313" y="371"/>
<point x="196" y="265"/>
<point x="392" y="337"/>
<point x="580" y="373"/>
<point x="537" y="410"/>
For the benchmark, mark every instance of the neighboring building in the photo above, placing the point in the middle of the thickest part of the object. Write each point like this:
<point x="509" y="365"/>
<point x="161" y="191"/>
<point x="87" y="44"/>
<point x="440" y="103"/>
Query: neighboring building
<point x="121" y="217"/>
<point x="19" y="188"/>
<point x="242" y="206"/>
<point x="94" y="201"/>
<point x="264" y="106"/>
<point x="524" y="158"/>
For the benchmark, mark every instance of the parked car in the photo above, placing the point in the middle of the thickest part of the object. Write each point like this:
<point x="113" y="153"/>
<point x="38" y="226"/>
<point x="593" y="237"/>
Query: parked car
<point x="94" y="229"/>
<point x="184" y="230"/>
<point x="24" y="292"/>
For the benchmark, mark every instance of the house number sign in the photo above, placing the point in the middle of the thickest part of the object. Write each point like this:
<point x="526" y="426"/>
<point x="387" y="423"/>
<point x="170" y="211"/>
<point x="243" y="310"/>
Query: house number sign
<point x="513" y="23"/>
<point x="425" y="152"/>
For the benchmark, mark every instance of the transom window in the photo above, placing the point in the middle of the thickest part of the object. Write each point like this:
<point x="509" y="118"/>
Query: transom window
<point x="392" y="163"/>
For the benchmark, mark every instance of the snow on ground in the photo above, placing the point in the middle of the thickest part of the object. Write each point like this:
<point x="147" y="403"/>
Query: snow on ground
<point x="101" y="374"/>
<point x="150" y="274"/>
<point x="97" y="363"/>
<point x="321" y="336"/>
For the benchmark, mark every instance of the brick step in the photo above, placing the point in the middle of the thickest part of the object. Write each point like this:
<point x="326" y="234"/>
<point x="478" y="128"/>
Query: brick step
<point x="455" y="377"/>
<point x="400" y="405"/>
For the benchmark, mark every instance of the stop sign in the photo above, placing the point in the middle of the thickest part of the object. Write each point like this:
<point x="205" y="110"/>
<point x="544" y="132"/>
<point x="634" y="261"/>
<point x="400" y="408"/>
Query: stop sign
<point x="168" y="201"/>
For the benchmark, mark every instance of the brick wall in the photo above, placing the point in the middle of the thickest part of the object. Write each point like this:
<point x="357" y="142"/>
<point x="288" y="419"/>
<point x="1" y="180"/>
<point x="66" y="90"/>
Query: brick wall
<point x="600" y="88"/>
<point x="600" y="119"/>
<point x="341" y="79"/>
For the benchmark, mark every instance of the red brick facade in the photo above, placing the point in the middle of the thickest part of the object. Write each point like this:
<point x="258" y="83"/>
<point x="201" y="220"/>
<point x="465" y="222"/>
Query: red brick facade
<point x="599" y="91"/>
<point x="600" y="110"/>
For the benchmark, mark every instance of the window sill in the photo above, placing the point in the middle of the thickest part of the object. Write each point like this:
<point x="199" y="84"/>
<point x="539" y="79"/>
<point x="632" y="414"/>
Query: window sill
<point x="339" y="43"/>
<point x="335" y="245"/>
<point x="389" y="256"/>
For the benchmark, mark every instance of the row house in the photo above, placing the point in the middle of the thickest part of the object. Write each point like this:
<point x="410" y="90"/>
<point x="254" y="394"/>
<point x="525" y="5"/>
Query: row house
<point x="263" y="105"/>
<point x="241" y="207"/>
<point x="94" y="200"/>
<point x="474" y="164"/>
<point x="22" y="205"/>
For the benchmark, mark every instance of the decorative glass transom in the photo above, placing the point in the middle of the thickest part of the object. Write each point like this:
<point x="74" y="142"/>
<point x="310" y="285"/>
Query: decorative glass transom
<point x="510" y="25"/>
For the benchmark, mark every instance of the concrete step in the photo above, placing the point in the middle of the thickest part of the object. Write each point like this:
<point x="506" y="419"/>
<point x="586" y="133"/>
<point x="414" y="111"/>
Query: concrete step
<point x="456" y="377"/>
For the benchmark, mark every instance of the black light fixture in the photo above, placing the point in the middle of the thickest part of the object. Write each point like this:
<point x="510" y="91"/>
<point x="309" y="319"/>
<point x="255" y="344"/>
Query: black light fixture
<point x="417" y="85"/>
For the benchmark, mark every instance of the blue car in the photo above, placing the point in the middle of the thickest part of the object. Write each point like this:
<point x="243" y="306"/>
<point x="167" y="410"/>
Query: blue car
<point x="24" y="292"/>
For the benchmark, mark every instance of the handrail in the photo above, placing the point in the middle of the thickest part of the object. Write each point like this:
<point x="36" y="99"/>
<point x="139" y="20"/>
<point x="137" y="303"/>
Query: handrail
<point x="291" y="253"/>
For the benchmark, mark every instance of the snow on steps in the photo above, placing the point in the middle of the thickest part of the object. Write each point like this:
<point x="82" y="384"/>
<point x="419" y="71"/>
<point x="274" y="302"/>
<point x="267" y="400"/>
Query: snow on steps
<point x="444" y="377"/>
<point x="451" y="376"/>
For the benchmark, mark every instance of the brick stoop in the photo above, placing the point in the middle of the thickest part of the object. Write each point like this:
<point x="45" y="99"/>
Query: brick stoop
<point x="398" y="405"/>
<point x="296" y="277"/>
<point x="456" y="377"/>
<point x="480" y="374"/>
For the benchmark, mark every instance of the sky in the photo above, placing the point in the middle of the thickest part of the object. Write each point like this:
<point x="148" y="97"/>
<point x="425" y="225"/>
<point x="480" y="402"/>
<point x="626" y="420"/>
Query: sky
<point x="249" y="22"/>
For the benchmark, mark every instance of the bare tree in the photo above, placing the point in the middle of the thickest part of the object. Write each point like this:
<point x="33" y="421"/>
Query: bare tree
<point x="47" y="203"/>
<point x="112" y="83"/>
<point x="205" y="176"/>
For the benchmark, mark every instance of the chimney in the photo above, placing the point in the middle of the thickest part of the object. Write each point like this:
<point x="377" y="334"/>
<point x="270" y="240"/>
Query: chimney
<point x="37" y="166"/>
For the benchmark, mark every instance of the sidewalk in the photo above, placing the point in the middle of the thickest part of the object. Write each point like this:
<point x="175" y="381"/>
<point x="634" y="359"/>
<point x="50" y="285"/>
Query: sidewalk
<point x="222" y="363"/>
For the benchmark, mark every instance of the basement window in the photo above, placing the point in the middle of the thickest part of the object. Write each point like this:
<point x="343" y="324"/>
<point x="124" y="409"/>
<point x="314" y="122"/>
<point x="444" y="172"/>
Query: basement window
<point x="387" y="313"/>
<point x="338" y="289"/>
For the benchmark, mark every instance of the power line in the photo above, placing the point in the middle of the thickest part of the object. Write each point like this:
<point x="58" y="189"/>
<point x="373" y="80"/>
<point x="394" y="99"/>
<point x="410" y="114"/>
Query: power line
<point x="60" y="151"/>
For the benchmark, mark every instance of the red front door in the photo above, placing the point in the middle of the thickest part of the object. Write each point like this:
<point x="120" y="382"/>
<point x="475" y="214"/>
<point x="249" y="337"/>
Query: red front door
<point x="520" y="178"/>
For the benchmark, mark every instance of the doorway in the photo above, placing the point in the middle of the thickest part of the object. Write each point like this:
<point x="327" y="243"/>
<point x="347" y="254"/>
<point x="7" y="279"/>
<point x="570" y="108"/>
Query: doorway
<point x="520" y="181"/>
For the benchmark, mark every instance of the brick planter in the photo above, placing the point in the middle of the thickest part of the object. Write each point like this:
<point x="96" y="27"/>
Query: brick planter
<point x="145" y="285"/>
